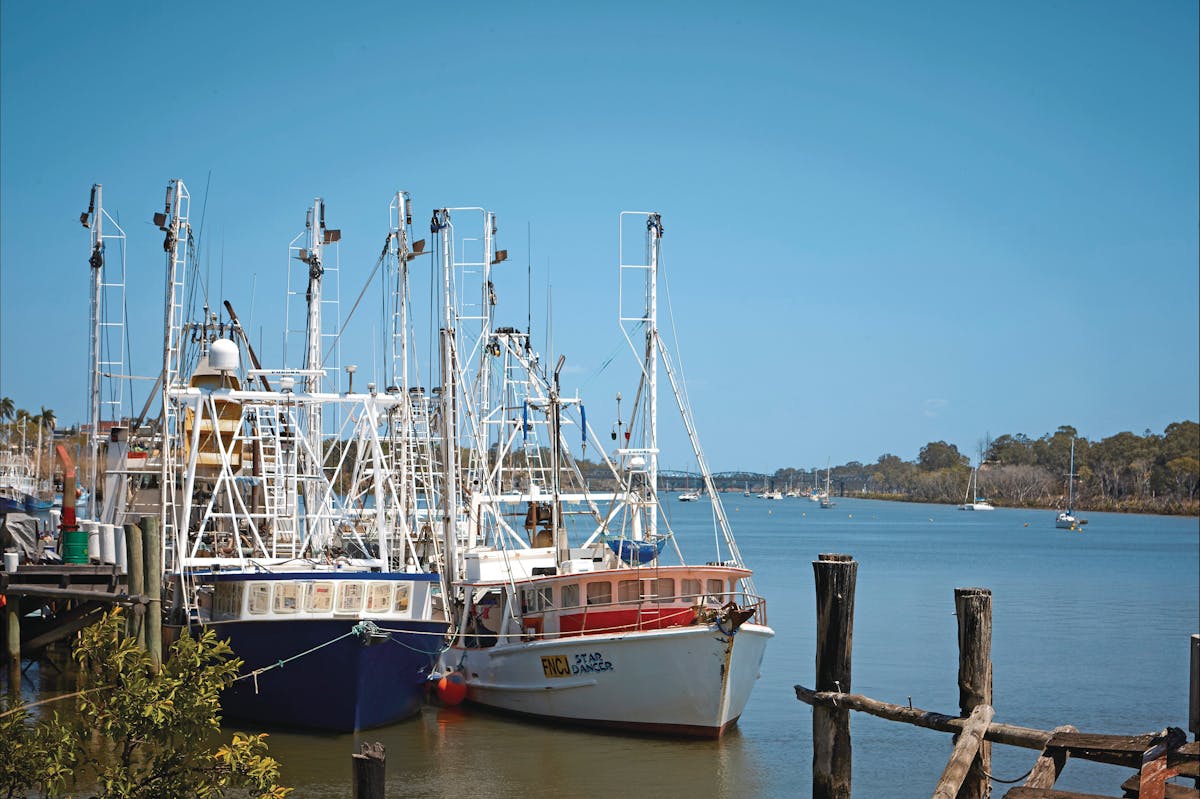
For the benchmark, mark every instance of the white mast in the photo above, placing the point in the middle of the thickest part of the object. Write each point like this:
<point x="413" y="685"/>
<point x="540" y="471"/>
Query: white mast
<point x="96" y="262"/>
<point x="173" y="221"/>
<point x="449" y="402"/>
<point x="315" y="224"/>
<point x="653" y="240"/>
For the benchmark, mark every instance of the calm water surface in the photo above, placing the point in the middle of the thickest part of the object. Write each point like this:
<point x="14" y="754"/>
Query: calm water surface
<point x="1089" y="629"/>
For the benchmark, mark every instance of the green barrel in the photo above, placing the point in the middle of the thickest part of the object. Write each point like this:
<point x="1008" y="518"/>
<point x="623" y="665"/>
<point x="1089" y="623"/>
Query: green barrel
<point x="75" y="543"/>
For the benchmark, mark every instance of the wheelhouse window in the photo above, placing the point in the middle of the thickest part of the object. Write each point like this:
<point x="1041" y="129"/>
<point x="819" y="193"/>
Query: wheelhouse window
<point x="716" y="590"/>
<point x="536" y="600"/>
<point x="570" y="596"/>
<point x="402" y="597"/>
<point x="260" y="598"/>
<point x="319" y="598"/>
<point x="629" y="590"/>
<point x="227" y="601"/>
<point x="350" y="597"/>
<point x="287" y="597"/>
<point x="664" y="588"/>
<point x="599" y="593"/>
<point x="690" y="589"/>
<point x="379" y="597"/>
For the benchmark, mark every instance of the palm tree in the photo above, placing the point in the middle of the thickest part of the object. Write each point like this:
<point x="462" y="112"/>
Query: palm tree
<point x="7" y="410"/>
<point x="47" y="419"/>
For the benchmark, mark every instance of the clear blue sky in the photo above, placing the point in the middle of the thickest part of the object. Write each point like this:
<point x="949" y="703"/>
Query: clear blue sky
<point x="886" y="223"/>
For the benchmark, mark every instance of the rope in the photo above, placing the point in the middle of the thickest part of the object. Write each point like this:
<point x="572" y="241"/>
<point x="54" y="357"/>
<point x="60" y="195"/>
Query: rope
<point x="994" y="778"/>
<point x="370" y="279"/>
<point x="280" y="664"/>
<point x="26" y="705"/>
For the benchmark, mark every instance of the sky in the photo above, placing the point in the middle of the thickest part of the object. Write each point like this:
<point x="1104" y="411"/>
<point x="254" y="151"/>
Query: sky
<point x="885" y="224"/>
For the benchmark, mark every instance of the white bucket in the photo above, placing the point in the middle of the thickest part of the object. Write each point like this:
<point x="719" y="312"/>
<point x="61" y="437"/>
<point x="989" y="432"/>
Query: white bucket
<point x="93" y="532"/>
<point x="12" y="559"/>
<point x="122" y="554"/>
<point x="108" y="549"/>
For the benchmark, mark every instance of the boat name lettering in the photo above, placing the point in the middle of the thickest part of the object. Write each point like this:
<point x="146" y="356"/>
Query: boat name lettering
<point x="592" y="662"/>
<point x="556" y="666"/>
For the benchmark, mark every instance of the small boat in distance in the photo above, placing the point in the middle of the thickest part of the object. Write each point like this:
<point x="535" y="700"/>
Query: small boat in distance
<point x="826" y="502"/>
<point x="972" y="501"/>
<point x="690" y="496"/>
<point x="1066" y="519"/>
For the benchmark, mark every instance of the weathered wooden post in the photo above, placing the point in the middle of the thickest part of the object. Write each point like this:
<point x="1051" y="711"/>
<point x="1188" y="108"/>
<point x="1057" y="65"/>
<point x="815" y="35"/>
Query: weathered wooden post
<point x="835" y="577"/>
<point x="152" y="556"/>
<point x="973" y="606"/>
<point x="12" y="642"/>
<point x="1194" y="694"/>
<point x="369" y="770"/>
<point x="135" y="576"/>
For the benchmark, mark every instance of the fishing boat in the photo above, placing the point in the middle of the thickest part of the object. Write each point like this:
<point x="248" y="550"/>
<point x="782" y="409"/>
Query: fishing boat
<point x="1066" y="519"/>
<point x="690" y="496"/>
<point x="590" y="615"/>
<point x="972" y="501"/>
<point x="285" y="524"/>
<point x="18" y="482"/>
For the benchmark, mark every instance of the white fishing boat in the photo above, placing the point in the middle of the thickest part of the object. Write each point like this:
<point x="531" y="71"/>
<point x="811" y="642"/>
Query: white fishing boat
<point x="1066" y="519"/>
<point x="590" y="615"/>
<point x="18" y="481"/>
<point x="690" y="496"/>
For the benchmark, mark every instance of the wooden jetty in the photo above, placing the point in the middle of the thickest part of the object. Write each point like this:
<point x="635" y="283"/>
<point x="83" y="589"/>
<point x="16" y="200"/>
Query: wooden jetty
<point x="73" y="596"/>
<point x="1157" y="757"/>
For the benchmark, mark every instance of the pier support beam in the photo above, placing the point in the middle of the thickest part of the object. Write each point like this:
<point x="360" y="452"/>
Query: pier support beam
<point x="136" y="577"/>
<point x="369" y="768"/>
<point x="152" y="555"/>
<point x="835" y="577"/>
<point x="973" y="606"/>
<point x="12" y="642"/>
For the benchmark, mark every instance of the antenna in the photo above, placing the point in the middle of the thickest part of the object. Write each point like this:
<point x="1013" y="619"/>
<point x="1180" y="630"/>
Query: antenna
<point x="528" y="281"/>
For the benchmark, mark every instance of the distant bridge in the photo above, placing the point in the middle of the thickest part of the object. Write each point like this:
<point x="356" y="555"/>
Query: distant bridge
<point x="672" y="479"/>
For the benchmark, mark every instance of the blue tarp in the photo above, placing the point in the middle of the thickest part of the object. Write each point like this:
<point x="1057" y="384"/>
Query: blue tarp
<point x="637" y="551"/>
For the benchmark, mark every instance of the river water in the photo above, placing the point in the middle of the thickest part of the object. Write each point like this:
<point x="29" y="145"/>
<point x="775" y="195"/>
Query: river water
<point x="1090" y="629"/>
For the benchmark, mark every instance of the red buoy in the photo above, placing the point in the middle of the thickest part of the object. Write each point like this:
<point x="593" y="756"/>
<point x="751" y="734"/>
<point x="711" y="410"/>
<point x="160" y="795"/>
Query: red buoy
<point x="452" y="689"/>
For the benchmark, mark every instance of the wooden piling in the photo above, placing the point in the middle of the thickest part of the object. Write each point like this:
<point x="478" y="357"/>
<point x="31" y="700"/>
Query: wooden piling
<point x="369" y="771"/>
<point x="835" y="577"/>
<point x="136" y="578"/>
<point x="1194" y="695"/>
<point x="973" y="606"/>
<point x="152" y="557"/>
<point x="12" y="642"/>
<point x="1194" y="690"/>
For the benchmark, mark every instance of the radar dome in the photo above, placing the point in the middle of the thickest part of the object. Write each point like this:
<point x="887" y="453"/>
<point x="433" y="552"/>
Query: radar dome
<point x="223" y="355"/>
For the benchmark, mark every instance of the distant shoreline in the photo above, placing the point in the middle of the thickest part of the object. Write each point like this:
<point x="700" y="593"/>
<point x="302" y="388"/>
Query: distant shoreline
<point x="1178" y="508"/>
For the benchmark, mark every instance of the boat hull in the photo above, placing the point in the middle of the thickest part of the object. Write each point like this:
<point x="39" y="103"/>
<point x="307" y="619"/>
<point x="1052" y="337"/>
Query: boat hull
<point x="351" y="684"/>
<point x="686" y="681"/>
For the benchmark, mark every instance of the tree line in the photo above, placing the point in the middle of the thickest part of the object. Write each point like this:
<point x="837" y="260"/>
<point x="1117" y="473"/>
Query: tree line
<point x="1152" y="472"/>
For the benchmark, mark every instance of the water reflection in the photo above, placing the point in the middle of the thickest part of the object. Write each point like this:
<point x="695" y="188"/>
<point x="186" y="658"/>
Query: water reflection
<point x="467" y="751"/>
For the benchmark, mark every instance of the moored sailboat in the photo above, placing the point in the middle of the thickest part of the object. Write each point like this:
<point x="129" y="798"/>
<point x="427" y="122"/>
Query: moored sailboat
<point x="1066" y="519"/>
